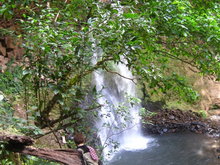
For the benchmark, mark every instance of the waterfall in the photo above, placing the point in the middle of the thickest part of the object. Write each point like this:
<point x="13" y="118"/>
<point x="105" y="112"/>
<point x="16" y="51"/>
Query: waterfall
<point x="120" y="121"/>
<point x="119" y="124"/>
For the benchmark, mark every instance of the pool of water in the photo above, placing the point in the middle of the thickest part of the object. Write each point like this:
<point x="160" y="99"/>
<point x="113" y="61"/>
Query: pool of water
<point x="172" y="149"/>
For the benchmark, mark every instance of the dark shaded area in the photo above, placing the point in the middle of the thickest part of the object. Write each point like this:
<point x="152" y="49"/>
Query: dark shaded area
<point x="153" y="106"/>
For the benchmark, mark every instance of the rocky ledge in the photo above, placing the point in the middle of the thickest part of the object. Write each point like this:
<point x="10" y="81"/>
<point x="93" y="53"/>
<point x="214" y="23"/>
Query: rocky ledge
<point x="170" y="121"/>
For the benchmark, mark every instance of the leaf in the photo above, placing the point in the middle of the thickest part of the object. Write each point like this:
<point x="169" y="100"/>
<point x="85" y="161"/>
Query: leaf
<point x="56" y="91"/>
<point x="131" y="15"/>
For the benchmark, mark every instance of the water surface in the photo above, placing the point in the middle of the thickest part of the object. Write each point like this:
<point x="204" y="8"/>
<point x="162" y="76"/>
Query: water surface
<point x="172" y="149"/>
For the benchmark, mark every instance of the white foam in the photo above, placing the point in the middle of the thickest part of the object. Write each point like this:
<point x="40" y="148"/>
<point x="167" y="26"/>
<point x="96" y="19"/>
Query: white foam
<point x="135" y="143"/>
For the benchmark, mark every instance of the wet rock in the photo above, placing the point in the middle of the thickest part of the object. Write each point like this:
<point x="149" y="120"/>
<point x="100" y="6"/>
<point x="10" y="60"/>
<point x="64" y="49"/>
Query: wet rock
<point x="165" y="130"/>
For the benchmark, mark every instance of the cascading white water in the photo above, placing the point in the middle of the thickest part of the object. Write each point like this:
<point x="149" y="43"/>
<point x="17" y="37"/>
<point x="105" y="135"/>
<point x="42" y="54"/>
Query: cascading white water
<point x="132" y="138"/>
<point x="112" y="127"/>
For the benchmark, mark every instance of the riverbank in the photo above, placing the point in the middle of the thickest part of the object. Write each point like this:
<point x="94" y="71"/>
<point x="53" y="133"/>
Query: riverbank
<point x="172" y="121"/>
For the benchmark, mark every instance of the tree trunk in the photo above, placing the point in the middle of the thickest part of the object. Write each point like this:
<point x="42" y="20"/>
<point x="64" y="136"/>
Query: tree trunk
<point x="19" y="144"/>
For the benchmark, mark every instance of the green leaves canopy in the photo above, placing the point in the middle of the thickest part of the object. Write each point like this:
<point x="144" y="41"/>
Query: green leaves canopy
<point x="62" y="38"/>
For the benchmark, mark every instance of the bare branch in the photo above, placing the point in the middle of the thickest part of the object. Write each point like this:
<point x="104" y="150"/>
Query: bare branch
<point x="54" y="134"/>
<point x="176" y="58"/>
<point x="54" y="130"/>
<point x="114" y="134"/>
<point x="61" y="118"/>
<point x="132" y="79"/>
<point x="193" y="69"/>
<point x="55" y="20"/>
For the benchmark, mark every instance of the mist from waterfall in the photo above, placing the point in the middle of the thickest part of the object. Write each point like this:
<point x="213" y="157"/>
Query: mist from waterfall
<point x="120" y="120"/>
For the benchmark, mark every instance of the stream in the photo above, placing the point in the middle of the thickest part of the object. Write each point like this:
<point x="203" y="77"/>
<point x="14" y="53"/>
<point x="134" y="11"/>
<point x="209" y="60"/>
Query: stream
<point x="171" y="149"/>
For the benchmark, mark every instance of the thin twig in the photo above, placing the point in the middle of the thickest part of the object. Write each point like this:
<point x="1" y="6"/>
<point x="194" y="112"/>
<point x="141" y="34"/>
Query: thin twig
<point x="57" y="129"/>
<point x="55" y="20"/>
<point x="114" y="134"/>
<point x="61" y="118"/>
<point x="55" y="135"/>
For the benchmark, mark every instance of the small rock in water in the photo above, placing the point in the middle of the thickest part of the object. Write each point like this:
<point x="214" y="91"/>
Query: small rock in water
<point x="165" y="130"/>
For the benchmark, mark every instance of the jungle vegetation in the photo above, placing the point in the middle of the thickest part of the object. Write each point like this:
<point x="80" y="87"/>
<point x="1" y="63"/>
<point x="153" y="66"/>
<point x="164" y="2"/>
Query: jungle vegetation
<point x="53" y="82"/>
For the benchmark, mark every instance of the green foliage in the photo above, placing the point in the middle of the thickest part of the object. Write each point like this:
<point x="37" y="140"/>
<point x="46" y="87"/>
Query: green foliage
<point x="203" y="113"/>
<point x="171" y="87"/>
<point x="146" y="113"/>
<point x="181" y="34"/>
<point x="7" y="8"/>
<point x="31" y="160"/>
<point x="6" y="32"/>
<point x="10" y="124"/>
<point x="58" y="56"/>
<point x="11" y="89"/>
<point x="176" y="104"/>
<point x="5" y="156"/>
<point x="10" y="9"/>
<point x="10" y="83"/>
<point x="148" y="34"/>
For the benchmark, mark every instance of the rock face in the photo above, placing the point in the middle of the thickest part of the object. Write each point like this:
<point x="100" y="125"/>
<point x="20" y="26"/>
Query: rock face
<point x="9" y="49"/>
<point x="169" y="121"/>
<point x="210" y="92"/>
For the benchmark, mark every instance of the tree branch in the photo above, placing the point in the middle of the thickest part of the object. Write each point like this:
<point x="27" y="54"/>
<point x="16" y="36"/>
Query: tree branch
<point x="72" y="81"/>
<point x="54" y="130"/>
<point x="61" y="118"/>
<point x="55" y="20"/>
<point x="175" y="57"/>
<point x="132" y="79"/>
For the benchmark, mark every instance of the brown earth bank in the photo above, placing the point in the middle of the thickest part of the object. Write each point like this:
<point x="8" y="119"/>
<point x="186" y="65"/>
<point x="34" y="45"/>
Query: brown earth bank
<point x="170" y="121"/>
